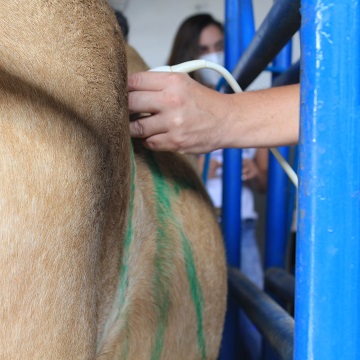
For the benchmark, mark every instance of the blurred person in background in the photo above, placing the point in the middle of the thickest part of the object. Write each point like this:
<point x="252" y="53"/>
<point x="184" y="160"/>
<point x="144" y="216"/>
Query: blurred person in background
<point x="123" y="23"/>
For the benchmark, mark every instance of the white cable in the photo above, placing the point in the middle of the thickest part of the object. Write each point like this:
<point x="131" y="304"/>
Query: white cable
<point x="286" y="166"/>
<point x="193" y="65"/>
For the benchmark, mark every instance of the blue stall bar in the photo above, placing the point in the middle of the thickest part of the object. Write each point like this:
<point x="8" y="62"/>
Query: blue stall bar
<point x="281" y="284"/>
<point x="288" y="77"/>
<point x="232" y="157"/>
<point x="276" y="325"/>
<point x="276" y="209"/>
<point x="277" y="214"/>
<point x="231" y="190"/>
<point x="238" y="16"/>
<point x="327" y="306"/>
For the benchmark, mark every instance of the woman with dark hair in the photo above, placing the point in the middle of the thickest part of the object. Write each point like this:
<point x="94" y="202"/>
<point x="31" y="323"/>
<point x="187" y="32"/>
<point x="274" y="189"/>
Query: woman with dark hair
<point x="199" y="37"/>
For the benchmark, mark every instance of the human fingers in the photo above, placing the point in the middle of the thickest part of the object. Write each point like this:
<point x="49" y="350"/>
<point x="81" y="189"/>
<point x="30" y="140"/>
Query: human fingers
<point x="152" y="81"/>
<point x="146" y="127"/>
<point x="144" y="102"/>
<point x="161" y="142"/>
<point x="249" y="170"/>
<point x="214" y="165"/>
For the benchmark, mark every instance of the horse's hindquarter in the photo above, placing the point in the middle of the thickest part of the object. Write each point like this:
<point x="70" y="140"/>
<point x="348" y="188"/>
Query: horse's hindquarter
<point x="50" y="177"/>
<point x="65" y="171"/>
<point x="174" y="303"/>
<point x="202" y="291"/>
<point x="79" y="279"/>
<point x="172" y="291"/>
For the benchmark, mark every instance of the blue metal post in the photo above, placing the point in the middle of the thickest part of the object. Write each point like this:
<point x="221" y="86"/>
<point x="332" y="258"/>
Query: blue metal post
<point x="277" y="215"/>
<point x="239" y="29"/>
<point x="277" y="210"/>
<point x="328" y="256"/>
<point x="239" y="16"/>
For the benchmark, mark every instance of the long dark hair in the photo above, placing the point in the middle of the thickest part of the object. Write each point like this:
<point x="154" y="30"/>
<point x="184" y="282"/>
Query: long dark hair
<point x="186" y="44"/>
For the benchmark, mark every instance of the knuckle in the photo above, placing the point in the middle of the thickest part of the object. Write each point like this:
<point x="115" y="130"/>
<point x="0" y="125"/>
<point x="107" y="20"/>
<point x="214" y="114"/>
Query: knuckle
<point x="150" y="144"/>
<point x="139" y="128"/>
<point x="173" y="99"/>
<point x="177" y="78"/>
<point x="133" y="80"/>
<point x="178" y="142"/>
<point x="176" y="122"/>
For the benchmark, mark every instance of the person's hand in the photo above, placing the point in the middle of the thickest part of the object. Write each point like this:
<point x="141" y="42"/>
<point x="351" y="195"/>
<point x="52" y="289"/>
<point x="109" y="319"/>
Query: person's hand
<point x="184" y="115"/>
<point x="249" y="170"/>
<point x="214" y="165"/>
<point x="188" y="117"/>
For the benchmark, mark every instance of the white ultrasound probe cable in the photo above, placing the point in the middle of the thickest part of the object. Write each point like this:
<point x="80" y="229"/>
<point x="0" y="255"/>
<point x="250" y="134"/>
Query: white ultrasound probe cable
<point x="193" y="65"/>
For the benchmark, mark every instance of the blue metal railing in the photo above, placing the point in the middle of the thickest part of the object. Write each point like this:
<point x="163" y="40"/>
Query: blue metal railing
<point x="239" y="15"/>
<point x="281" y="284"/>
<point x="328" y="255"/>
<point x="283" y="19"/>
<point x="281" y="23"/>
<point x="276" y="214"/>
<point x="274" y="323"/>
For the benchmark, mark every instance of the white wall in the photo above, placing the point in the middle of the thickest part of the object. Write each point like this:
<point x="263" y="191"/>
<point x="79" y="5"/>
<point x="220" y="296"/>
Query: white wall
<point x="153" y="24"/>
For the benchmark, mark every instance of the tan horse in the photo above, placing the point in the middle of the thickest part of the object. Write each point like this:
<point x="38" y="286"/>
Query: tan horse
<point x="107" y="251"/>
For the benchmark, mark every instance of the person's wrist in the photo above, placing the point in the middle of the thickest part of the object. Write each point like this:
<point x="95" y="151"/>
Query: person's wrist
<point x="232" y="122"/>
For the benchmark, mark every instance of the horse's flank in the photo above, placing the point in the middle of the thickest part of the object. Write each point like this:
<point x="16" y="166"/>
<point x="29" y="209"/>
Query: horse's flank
<point x="106" y="250"/>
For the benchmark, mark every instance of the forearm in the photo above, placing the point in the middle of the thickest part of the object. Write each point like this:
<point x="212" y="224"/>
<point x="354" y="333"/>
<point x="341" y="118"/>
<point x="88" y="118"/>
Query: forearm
<point x="263" y="118"/>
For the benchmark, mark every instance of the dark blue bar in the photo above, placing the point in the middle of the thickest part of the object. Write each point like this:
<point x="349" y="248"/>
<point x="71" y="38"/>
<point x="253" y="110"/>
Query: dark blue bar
<point x="282" y="22"/>
<point x="273" y="322"/>
<point x="280" y="284"/>
<point x="288" y="77"/>
<point x="239" y="29"/>
<point x="277" y="216"/>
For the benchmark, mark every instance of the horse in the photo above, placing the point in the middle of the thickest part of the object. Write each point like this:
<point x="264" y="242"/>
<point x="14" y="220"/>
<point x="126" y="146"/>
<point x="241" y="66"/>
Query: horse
<point x="107" y="250"/>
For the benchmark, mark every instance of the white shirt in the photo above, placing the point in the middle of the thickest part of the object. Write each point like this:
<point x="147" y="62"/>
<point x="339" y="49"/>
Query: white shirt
<point x="214" y="186"/>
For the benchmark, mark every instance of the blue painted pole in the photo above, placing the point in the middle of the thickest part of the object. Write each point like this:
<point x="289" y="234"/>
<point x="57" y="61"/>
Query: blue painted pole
<point x="328" y="253"/>
<point x="277" y="215"/>
<point x="277" y="211"/>
<point x="238" y="20"/>
<point x="239" y="15"/>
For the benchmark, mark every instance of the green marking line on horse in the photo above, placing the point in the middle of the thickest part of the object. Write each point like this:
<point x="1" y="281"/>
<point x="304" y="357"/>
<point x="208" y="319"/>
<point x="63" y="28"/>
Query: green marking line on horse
<point x="163" y="261"/>
<point x="124" y="276"/>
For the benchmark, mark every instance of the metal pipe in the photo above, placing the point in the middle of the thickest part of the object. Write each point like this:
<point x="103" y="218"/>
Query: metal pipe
<point x="328" y="244"/>
<point x="276" y="220"/>
<point x="239" y="29"/>
<point x="273" y="322"/>
<point x="280" y="283"/>
<point x="277" y="29"/>
<point x="276" y="214"/>
<point x="288" y="77"/>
